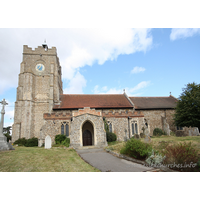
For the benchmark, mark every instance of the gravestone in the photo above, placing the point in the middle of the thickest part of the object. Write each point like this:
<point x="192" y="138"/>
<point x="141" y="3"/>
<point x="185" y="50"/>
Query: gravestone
<point x="47" y="142"/>
<point x="147" y="138"/>
<point x="126" y="135"/>
<point x="165" y="125"/>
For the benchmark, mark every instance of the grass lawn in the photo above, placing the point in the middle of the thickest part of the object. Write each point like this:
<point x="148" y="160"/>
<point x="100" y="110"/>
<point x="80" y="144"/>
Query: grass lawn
<point x="35" y="159"/>
<point x="161" y="142"/>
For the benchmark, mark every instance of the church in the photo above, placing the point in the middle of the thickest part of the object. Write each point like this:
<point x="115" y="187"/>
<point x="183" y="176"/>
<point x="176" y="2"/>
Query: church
<point x="41" y="108"/>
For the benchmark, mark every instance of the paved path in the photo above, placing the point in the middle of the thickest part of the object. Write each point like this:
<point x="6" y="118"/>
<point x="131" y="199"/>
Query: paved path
<point x="106" y="162"/>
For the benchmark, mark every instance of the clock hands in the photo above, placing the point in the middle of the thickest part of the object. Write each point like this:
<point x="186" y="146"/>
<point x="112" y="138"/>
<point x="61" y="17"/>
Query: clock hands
<point x="39" y="67"/>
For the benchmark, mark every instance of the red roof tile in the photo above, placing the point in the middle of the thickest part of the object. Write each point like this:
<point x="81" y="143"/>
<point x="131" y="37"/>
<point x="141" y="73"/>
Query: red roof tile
<point x="76" y="101"/>
<point x="154" y="102"/>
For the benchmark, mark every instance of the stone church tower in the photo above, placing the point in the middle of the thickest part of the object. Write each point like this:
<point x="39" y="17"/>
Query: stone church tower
<point x="39" y="87"/>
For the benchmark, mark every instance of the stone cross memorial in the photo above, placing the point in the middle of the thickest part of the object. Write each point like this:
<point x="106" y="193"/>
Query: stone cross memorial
<point x="4" y="145"/>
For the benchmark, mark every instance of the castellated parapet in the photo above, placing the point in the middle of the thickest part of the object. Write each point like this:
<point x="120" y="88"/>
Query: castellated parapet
<point x="39" y="50"/>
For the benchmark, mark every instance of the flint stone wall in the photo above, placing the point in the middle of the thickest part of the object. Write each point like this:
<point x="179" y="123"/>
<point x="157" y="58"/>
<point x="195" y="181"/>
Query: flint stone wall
<point x="119" y="125"/>
<point x="154" y="118"/>
<point x="76" y="130"/>
<point x="51" y="128"/>
<point x="36" y="91"/>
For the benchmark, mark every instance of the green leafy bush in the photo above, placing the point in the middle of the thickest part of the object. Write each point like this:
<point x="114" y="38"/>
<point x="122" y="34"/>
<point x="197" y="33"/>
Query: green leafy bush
<point x="136" y="148"/>
<point x="59" y="138"/>
<point x="32" y="142"/>
<point x="21" y="142"/>
<point x="182" y="154"/>
<point x="66" y="142"/>
<point x="158" y="132"/>
<point x="111" y="137"/>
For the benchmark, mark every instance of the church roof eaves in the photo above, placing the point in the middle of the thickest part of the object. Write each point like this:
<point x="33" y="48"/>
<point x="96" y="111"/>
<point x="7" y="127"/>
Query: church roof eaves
<point x="150" y="103"/>
<point x="98" y="101"/>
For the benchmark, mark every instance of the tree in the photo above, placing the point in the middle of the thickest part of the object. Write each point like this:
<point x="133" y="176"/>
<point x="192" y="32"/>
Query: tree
<point x="187" y="111"/>
<point x="6" y="132"/>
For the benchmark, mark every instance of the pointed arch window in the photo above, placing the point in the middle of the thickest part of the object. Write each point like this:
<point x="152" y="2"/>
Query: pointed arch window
<point x="65" y="129"/>
<point x="110" y="126"/>
<point x="134" y="127"/>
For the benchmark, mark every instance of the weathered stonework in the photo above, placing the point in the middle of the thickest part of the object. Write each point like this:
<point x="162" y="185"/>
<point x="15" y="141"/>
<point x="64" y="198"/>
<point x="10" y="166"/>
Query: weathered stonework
<point x="51" y="128"/>
<point x="154" y="118"/>
<point x="36" y="92"/>
<point x="188" y="131"/>
<point x="97" y="123"/>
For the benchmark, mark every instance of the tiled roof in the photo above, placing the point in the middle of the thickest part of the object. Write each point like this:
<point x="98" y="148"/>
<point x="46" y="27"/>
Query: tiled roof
<point x="76" y="101"/>
<point x="154" y="102"/>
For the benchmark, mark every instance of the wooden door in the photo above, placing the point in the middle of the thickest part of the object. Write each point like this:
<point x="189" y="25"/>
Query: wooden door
<point x="87" y="138"/>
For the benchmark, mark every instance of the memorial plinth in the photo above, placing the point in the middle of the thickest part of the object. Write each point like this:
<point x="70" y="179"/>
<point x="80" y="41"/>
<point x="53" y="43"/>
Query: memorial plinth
<point x="4" y="145"/>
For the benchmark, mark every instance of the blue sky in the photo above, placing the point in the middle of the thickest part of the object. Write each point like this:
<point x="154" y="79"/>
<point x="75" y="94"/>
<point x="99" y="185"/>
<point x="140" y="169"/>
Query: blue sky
<point x="144" y="62"/>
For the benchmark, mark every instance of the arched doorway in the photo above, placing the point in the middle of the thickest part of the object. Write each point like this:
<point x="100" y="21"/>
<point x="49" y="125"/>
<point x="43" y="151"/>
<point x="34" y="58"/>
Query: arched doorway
<point x="88" y="134"/>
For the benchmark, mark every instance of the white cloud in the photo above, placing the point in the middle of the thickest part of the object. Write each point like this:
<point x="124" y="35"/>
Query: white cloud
<point x="129" y="91"/>
<point x="178" y="33"/>
<point x="139" y="86"/>
<point x="114" y="91"/>
<point x="96" y="89"/>
<point x="104" y="88"/>
<point x="99" y="45"/>
<point x="76" y="85"/>
<point x="136" y="70"/>
<point x="76" y="48"/>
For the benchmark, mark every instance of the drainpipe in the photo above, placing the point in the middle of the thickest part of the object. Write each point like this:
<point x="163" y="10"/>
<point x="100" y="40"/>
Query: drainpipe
<point x="129" y="127"/>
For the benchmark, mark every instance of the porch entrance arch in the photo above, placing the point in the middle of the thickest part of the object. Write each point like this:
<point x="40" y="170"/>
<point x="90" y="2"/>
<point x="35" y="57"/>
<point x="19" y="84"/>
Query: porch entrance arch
<point x="88" y="134"/>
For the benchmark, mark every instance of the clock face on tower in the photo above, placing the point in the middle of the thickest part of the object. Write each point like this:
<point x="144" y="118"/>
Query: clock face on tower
<point x="40" y="67"/>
